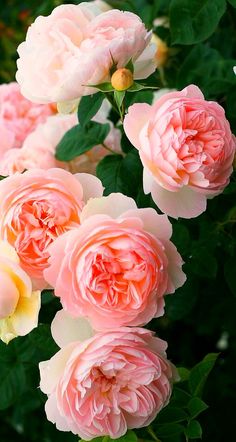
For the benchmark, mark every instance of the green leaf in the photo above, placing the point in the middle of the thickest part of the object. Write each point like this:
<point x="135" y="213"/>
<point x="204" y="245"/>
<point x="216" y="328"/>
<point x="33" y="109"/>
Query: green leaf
<point x="2" y="177"/>
<point x="196" y="406"/>
<point x="183" y="373"/>
<point x="194" y="430"/>
<point x="103" y="87"/>
<point x="47" y="296"/>
<point x="200" y="372"/>
<point x="180" y="397"/>
<point x="139" y="87"/>
<point x="88" y="107"/>
<point x="121" y="174"/>
<point x="181" y="238"/>
<point x="169" y="430"/>
<point x="230" y="274"/>
<point x="232" y="2"/>
<point x="119" y="98"/>
<point x="130" y="66"/>
<point x="79" y="140"/>
<point x="109" y="172"/>
<point x="171" y="415"/>
<point x="130" y="436"/>
<point x="203" y="261"/>
<point x="42" y="339"/>
<point x="12" y="383"/>
<point x="194" y="21"/>
<point x="183" y="301"/>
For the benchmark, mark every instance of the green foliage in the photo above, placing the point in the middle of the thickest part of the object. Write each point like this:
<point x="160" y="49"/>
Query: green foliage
<point x="120" y="174"/>
<point x="200" y="372"/>
<point x="88" y="107"/>
<point x="79" y="140"/>
<point x="194" y="21"/>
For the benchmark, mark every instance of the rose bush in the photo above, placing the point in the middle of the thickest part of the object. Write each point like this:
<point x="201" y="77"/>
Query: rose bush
<point x="114" y="258"/>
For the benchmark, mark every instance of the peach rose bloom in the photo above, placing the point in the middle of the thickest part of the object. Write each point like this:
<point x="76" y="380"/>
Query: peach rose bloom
<point x="19" y="304"/>
<point x="116" y="268"/>
<point x="76" y="46"/>
<point x="18" y="115"/>
<point x="38" y="206"/>
<point x="186" y="147"/>
<point x="109" y="383"/>
<point x="39" y="148"/>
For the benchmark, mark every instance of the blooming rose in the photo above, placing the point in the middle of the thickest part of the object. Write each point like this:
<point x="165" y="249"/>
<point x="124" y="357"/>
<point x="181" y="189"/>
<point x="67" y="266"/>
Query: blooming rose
<point x="107" y="384"/>
<point x="38" y="150"/>
<point x="186" y="147"/>
<point x="38" y="206"/>
<point x="117" y="267"/>
<point x="76" y="46"/>
<point x="18" y="115"/>
<point x="19" y="305"/>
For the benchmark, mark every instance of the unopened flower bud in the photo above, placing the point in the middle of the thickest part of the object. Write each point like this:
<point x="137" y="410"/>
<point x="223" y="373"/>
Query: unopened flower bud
<point x="122" y="79"/>
<point x="162" y="52"/>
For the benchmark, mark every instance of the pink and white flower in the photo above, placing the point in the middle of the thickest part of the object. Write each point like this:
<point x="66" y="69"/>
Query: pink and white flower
<point x="186" y="147"/>
<point x="76" y="46"/>
<point x="38" y="206"/>
<point x="108" y="383"/>
<point x="117" y="266"/>
<point x="19" y="116"/>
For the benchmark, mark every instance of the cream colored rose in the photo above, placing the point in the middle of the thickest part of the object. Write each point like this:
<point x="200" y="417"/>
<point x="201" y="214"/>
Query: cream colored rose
<point x="19" y="305"/>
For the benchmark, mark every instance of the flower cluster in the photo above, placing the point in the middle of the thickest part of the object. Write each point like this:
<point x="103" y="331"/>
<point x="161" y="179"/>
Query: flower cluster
<point x="110" y="262"/>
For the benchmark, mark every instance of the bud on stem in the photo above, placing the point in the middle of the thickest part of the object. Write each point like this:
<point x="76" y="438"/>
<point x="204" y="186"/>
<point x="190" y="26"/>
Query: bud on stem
<point x="122" y="79"/>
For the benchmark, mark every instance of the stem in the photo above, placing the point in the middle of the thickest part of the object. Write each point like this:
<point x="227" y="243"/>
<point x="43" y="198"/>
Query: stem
<point x="151" y="432"/>
<point x="109" y="149"/>
<point x="112" y="103"/>
<point x="162" y="76"/>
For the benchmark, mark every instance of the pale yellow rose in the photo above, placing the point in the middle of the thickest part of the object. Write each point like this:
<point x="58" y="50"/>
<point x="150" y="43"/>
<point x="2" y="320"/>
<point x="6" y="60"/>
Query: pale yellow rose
<point x="19" y="304"/>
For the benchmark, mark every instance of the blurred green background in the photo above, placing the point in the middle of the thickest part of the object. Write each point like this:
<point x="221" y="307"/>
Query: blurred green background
<point x="200" y="317"/>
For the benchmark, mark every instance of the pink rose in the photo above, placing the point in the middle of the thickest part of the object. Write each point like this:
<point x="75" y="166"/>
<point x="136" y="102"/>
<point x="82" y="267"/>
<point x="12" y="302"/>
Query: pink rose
<point x="116" y="268"/>
<point x="107" y="384"/>
<point x="19" y="304"/>
<point x="186" y="147"/>
<point x="38" y="150"/>
<point x="18" y="115"/>
<point x="38" y="206"/>
<point x="75" y="46"/>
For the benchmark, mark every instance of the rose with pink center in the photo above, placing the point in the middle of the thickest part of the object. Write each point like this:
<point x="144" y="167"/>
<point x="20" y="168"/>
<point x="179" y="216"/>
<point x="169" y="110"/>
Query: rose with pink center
<point x="38" y="206"/>
<point x="186" y="147"/>
<point x="107" y="384"/>
<point x="117" y="267"/>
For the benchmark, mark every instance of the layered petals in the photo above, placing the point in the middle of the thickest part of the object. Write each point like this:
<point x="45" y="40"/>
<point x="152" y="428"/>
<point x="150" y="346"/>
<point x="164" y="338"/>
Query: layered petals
<point x="19" y="304"/>
<point x="107" y="384"/>
<point x="38" y="206"/>
<point x="186" y="147"/>
<point x="117" y="266"/>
